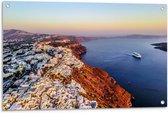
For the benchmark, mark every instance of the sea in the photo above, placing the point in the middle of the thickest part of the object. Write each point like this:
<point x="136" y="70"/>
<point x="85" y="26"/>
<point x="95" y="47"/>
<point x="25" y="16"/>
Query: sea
<point x="145" y="78"/>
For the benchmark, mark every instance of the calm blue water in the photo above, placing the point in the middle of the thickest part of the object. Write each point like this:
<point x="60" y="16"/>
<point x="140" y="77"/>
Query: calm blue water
<point x="145" y="79"/>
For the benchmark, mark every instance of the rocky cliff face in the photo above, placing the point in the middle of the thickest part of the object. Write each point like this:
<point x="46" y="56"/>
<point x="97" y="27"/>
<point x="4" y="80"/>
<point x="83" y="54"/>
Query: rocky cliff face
<point x="77" y="49"/>
<point x="100" y="86"/>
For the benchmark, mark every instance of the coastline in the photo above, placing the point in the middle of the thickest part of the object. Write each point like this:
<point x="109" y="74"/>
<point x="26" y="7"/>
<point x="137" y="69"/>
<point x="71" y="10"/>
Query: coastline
<point x="162" y="46"/>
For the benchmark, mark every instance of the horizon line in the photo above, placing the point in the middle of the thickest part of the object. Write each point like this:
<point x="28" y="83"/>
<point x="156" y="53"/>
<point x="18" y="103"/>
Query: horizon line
<point x="115" y="35"/>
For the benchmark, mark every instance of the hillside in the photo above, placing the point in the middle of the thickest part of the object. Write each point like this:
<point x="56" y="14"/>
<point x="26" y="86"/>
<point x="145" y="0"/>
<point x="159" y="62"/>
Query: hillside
<point x="47" y="72"/>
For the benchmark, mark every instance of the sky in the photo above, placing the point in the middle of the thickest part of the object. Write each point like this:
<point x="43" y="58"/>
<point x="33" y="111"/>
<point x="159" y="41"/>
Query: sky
<point x="86" y="19"/>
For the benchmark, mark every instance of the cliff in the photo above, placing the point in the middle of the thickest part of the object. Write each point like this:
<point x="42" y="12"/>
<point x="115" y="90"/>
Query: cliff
<point x="100" y="86"/>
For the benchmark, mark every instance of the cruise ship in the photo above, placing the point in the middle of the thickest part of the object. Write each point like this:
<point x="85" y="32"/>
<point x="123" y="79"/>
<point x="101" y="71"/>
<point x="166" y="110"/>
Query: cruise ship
<point x="136" y="55"/>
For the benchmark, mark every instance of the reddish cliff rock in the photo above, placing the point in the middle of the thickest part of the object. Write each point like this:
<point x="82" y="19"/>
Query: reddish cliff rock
<point x="98" y="84"/>
<point x="77" y="49"/>
<point x="101" y="87"/>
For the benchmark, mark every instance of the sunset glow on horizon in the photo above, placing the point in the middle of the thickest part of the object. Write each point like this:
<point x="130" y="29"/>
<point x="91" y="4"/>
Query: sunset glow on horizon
<point x="88" y="19"/>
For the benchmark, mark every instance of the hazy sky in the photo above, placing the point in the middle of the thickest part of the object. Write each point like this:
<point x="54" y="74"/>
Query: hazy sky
<point x="89" y="19"/>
